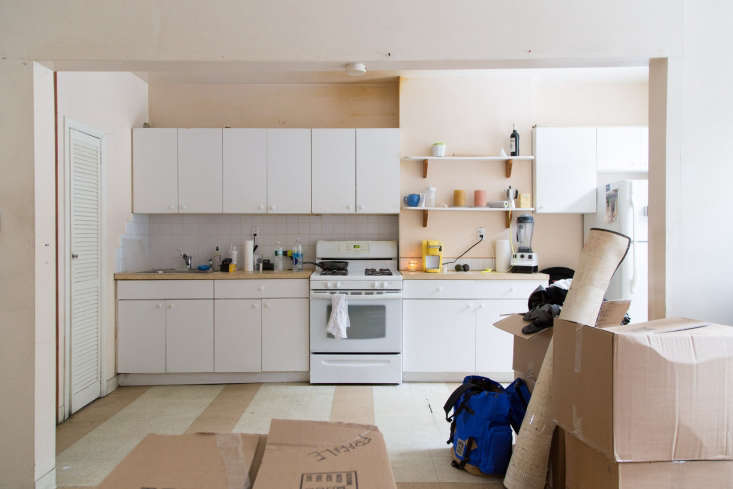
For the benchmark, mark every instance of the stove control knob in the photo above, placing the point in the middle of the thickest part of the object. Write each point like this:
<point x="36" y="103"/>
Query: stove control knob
<point x="374" y="285"/>
<point x="338" y="284"/>
<point x="331" y="285"/>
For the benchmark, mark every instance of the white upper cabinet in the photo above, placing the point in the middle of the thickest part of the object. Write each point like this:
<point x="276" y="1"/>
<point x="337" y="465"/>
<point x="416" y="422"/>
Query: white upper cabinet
<point x="334" y="171"/>
<point x="565" y="169"/>
<point x="623" y="149"/>
<point x="244" y="189"/>
<point x="378" y="171"/>
<point x="199" y="171"/>
<point x="155" y="171"/>
<point x="289" y="171"/>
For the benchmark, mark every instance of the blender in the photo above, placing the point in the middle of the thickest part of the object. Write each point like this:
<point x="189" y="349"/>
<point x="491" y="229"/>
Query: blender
<point x="524" y="259"/>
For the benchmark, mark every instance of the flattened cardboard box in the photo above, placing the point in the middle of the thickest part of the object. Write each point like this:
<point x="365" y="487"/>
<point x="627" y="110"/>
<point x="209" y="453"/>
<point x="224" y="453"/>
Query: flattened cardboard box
<point x="200" y="460"/>
<point x="529" y="350"/>
<point x="646" y="392"/>
<point x="321" y="455"/>
<point x="590" y="469"/>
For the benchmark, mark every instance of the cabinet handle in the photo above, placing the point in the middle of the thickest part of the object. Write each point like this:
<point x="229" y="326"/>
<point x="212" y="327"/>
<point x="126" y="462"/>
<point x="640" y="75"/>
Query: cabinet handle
<point x="171" y="207"/>
<point x="360" y="207"/>
<point x="184" y="206"/>
<point x="438" y="289"/>
<point x="480" y="306"/>
<point x="261" y="288"/>
<point x="266" y="305"/>
<point x="170" y="306"/>
<point x="262" y="207"/>
<point x="254" y="306"/>
<point x="273" y="207"/>
<point x="158" y="306"/>
<point x="348" y="207"/>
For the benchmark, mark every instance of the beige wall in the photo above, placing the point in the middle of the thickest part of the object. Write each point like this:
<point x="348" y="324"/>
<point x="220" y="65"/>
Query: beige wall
<point x="17" y="258"/>
<point x="473" y="114"/>
<point x="275" y="105"/>
<point x="112" y="103"/>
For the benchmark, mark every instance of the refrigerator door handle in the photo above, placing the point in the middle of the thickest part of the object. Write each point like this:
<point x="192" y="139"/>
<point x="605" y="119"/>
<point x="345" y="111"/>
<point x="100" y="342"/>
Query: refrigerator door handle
<point x="635" y="276"/>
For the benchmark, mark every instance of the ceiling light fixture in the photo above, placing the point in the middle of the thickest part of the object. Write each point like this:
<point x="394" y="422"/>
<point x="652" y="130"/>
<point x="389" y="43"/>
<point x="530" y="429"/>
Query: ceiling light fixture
<point x="356" y="69"/>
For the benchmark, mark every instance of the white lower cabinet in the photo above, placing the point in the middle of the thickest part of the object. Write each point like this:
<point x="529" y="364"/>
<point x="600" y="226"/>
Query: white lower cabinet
<point x="189" y="336"/>
<point x="237" y="335"/>
<point x="494" y="347"/>
<point x="438" y="336"/>
<point x="285" y="335"/>
<point x="445" y="338"/>
<point x="141" y="336"/>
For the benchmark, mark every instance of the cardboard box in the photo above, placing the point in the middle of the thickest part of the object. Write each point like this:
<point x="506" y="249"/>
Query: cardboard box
<point x="529" y="350"/>
<point x="590" y="469"/>
<point x="649" y="392"/>
<point x="321" y="455"/>
<point x="213" y="461"/>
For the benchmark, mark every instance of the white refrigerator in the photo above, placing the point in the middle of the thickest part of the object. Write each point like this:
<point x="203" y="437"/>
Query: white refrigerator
<point x="623" y="207"/>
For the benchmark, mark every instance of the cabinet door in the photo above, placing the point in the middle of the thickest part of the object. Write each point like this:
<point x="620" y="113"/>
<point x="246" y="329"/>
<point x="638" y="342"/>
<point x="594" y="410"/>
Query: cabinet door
<point x="334" y="171"/>
<point x="565" y="169"/>
<point x="378" y="171"/>
<point x="140" y="336"/>
<point x="622" y="148"/>
<point x="244" y="188"/>
<point x="289" y="171"/>
<point x="439" y="336"/>
<point x="199" y="171"/>
<point x="494" y="347"/>
<point x="189" y="335"/>
<point x="155" y="171"/>
<point x="285" y="335"/>
<point x="237" y="335"/>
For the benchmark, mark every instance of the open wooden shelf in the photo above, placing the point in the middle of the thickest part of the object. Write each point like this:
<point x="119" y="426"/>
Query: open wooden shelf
<point x="507" y="212"/>
<point x="508" y="161"/>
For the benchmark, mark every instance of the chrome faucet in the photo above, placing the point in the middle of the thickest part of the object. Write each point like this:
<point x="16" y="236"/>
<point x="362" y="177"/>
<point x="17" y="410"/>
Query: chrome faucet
<point x="186" y="258"/>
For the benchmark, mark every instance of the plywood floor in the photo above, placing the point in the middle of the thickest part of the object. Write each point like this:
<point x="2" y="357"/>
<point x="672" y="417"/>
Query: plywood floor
<point x="98" y="437"/>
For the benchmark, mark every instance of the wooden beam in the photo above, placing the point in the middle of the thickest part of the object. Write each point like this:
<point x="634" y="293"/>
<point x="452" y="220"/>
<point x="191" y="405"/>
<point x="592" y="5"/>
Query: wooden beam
<point x="425" y="218"/>
<point x="508" y="167"/>
<point x="425" y="168"/>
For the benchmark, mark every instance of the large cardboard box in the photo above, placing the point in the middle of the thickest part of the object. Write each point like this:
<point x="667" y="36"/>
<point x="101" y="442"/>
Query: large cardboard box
<point x="529" y="350"/>
<point x="651" y="391"/>
<point x="321" y="455"/>
<point x="213" y="461"/>
<point x="587" y="468"/>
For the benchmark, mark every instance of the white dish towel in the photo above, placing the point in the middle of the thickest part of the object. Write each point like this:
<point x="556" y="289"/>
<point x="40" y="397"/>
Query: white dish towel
<point x="338" y="323"/>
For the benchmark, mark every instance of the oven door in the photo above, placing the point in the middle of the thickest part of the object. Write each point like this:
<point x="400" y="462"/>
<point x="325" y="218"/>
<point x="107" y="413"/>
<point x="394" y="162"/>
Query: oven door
<point x="375" y="318"/>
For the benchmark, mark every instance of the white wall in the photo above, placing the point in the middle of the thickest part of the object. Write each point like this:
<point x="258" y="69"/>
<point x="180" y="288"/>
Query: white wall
<point x="45" y="275"/>
<point x="700" y="166"/>
<point x="112" y="103"/>
<point x="17" y="280"/>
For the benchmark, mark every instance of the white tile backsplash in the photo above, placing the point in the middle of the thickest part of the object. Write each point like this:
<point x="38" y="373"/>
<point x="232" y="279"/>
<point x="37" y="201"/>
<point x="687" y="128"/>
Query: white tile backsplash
<point x="152" y="241"/>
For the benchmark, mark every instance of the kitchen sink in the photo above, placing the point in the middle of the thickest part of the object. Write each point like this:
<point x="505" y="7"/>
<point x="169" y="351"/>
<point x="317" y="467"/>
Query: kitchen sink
<point x="166" y="271"/>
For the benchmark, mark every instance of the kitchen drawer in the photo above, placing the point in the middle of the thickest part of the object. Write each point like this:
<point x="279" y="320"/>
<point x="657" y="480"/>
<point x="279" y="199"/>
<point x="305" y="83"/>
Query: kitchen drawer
<point x="469" y="289"/>
<point x="165" y="289"/>
<point x="256" y="289"/>
<point x="356" y="369"/>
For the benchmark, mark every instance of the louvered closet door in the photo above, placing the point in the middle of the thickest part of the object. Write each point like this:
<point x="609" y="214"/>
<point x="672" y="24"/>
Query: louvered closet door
<point x="85" y="153"/>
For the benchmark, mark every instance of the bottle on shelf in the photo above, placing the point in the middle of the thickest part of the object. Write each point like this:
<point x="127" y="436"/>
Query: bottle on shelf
<point x="216" y="259"/>
<point x="514" y="141"/>
<point x="279" y="258"/>
<point x="298" y="255"/>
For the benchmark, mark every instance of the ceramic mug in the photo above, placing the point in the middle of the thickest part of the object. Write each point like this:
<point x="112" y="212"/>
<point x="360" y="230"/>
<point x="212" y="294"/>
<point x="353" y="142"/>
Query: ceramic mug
<point x="459" y="198"/>
<point x="411" y="200"/>
<point x="479" y="198"/>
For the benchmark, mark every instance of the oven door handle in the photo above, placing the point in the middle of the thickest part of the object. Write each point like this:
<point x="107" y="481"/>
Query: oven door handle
<point x="359" y="297"/>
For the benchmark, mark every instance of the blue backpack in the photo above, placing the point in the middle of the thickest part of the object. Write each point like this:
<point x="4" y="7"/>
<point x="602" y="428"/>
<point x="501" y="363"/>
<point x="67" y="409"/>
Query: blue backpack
<point x="484" y="414"/>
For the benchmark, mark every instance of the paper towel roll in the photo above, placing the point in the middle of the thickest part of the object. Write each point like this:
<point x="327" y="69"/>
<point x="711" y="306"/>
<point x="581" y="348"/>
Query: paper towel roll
<point x="503" y="255"/>
<point x="249" y="259"/>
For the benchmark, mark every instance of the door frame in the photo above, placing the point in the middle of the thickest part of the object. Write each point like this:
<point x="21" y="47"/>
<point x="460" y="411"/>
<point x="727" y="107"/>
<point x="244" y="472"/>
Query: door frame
<point x="65" y="259"/>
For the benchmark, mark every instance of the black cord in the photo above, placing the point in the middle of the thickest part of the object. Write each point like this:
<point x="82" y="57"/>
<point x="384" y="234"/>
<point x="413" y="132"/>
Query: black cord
<point x="461" y="255"/>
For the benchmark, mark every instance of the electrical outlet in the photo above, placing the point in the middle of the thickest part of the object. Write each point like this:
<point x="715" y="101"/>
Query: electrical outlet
<point x="481" y="232"/>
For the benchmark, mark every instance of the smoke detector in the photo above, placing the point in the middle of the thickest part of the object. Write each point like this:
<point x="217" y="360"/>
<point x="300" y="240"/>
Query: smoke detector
<point x="356" y="69"/>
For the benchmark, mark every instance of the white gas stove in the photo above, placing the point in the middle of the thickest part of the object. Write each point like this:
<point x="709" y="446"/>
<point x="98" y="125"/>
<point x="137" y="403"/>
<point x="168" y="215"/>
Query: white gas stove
<point x="372" y="351"/>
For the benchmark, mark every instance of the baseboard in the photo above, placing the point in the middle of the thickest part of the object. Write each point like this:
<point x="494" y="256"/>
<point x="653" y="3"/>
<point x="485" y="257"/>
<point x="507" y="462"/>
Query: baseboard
<point x="110" y="385"/>
<point x="454" y="376"/>
<point x="211" y="378"/>
<point x="47" y="480"/>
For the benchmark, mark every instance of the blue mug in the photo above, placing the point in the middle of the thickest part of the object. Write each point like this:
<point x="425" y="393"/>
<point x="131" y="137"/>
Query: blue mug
<point x="412" y="200"/>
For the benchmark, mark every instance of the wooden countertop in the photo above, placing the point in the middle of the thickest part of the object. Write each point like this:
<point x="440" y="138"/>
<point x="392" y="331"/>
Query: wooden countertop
<point x="474" y="276"/>
<point x="239" y="275"/>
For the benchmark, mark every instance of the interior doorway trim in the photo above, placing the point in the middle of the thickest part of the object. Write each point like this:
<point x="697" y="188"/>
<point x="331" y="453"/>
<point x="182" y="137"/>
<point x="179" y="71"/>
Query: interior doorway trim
<point x="66" y="258"/>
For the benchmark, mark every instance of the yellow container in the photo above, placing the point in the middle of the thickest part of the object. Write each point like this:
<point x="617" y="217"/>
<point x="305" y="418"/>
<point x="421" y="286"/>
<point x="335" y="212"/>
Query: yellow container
<point x="459" y="198"/>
